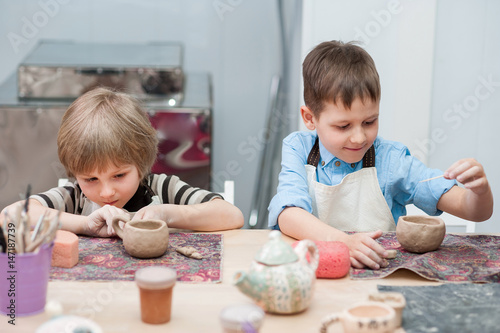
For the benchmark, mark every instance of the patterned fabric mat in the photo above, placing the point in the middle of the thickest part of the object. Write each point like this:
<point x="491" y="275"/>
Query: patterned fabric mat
<point x="461" y="258"/>
<point x="102" y="259"/>
<point x="450" y="308"/>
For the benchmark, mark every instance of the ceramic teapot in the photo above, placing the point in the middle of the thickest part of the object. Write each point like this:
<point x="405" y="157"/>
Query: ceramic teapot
<point x="281" y="279"/>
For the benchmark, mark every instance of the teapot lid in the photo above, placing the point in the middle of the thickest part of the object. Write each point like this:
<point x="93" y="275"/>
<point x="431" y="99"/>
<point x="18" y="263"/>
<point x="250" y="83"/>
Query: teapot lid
<point x="276" y="251"/>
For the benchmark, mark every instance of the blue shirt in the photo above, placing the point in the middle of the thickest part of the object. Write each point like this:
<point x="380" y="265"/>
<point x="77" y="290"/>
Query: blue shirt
<point x="398" y="175"/>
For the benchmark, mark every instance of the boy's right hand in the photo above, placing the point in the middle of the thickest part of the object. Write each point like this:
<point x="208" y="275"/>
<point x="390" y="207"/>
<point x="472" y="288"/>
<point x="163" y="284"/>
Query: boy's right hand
<point x="99" y="223"/>
<point x="365" y="251"/>
<point x="10" y="208"/>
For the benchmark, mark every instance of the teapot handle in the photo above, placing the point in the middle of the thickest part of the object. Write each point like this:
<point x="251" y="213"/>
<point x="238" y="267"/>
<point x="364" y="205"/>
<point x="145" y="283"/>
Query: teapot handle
<point x="308" y="246"/>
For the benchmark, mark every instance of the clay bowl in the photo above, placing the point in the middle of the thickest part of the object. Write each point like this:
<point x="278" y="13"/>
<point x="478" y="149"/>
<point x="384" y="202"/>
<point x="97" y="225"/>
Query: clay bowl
<point x="419" y="233"/>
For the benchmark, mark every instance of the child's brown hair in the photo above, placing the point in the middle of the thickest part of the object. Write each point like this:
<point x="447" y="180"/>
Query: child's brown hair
<point x="338" y="72"/>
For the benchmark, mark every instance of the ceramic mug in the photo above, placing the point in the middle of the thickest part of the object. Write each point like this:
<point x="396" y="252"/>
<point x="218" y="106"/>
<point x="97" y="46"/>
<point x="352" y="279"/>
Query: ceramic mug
<point x="142" y="238"/>
<point x="366" y="317"/>
<point x="394" y="299"/>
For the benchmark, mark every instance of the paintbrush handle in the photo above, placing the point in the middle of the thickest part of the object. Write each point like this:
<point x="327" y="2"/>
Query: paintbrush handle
<point x="3" y="242"/>
<point x="426" y="180"/>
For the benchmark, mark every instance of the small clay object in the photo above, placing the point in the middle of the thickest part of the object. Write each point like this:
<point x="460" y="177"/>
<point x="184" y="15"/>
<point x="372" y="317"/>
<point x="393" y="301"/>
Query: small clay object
<point x="189" y="252"/>
<point x="391" y="254"/>
<point x="420" y="234"/>
<point x="368" y="316"/>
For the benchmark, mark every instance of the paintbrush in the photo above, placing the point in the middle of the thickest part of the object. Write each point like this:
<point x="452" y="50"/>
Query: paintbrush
<point x="3" y="243"/>
<point x="18" y="228"/>
<point x="37" y="226"/>
<point x="25" y="219"/>
<point x="26" y="203"/>
<point x="426" y="180"/>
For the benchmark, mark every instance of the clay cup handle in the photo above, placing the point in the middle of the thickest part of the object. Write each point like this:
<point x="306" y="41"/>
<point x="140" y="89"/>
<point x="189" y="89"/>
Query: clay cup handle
<point x="116" y="223"/>
<point x="327" y="321"/>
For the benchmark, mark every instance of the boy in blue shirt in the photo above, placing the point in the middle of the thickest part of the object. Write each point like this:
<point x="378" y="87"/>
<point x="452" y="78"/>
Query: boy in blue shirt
<point x="343" y="177"/>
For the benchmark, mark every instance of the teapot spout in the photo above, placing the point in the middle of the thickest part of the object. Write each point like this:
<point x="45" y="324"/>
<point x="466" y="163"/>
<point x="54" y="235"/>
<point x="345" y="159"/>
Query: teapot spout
<point x="241" y="282"/>
<point x="246" y="285"/>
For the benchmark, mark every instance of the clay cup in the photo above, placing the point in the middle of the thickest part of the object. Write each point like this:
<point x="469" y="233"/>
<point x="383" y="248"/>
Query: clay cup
<point x="395" y="300"/>
<point x="369" y="317"/>
<point x="420" y="234"/>
<point x="142" y="238"/>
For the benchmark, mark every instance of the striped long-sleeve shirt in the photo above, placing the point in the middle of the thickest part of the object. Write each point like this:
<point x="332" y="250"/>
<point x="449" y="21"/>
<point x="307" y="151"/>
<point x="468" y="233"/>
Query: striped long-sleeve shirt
<point x="168" y="189"/>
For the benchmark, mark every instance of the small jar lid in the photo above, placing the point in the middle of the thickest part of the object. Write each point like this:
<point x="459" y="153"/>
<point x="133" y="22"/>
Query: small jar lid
<point x="242" y="318"/>
<point x="155" y="277"/>
<point x="61" y="324"/>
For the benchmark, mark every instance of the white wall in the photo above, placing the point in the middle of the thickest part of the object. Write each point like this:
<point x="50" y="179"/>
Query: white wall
<point x="234" y="40"/>
<point x="466" y="90"/>
<point x="399" y="35"/>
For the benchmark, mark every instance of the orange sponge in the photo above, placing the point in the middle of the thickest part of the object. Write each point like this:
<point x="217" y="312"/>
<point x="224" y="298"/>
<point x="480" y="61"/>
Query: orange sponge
<point x="65" y="251"/>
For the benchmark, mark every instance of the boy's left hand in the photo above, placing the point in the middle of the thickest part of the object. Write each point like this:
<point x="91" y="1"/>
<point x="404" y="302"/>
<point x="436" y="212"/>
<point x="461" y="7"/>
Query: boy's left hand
<point x="470" y="173"/>
<point x="164" y="212"/>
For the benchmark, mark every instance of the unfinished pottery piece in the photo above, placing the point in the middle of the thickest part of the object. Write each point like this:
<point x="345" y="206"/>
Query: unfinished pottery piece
<point x="420" y="234"/>
<point x="395" y="300"/>
<point x="142" y="238"/>
<point x="369" y="317"/>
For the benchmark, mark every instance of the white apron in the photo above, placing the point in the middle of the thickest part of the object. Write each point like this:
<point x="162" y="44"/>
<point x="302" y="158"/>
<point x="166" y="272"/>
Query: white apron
<point x="356" y="204"/>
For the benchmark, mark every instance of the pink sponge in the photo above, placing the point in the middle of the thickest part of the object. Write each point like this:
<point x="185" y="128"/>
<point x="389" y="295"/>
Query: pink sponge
<point x="65" y="251"/>
<point x="334" y="260"/>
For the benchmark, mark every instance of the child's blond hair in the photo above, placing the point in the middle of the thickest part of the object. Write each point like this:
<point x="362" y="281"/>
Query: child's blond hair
<point x="104" y="127"/>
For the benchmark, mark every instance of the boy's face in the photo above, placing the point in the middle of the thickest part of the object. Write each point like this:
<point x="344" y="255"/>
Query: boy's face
<point x="345" y="133"/>
<point x="115" y="186"/>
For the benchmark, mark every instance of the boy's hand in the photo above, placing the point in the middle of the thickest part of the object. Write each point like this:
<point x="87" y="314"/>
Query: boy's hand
<point x="469" y="172"/>
<point x="2" y="213"/>
<point x="164" y="212"/>
<point x="365" y="251"/>
<point x="99" y="223"/>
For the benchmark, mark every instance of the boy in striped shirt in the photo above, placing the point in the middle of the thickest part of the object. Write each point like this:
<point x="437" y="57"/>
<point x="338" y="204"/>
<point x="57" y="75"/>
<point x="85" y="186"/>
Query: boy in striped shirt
<point x="107" y="144"/>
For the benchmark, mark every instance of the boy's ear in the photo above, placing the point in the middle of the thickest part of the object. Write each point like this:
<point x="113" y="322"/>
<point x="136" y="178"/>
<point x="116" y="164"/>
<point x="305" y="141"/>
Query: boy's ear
<point x="307" y="117"/>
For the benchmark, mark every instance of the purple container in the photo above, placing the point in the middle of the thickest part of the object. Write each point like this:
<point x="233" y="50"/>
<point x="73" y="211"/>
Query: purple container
<point x="23" y="282"/>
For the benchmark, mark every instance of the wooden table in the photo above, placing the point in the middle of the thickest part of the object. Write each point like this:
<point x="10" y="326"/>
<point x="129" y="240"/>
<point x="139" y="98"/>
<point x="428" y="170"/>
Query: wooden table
<point x="196" y="307"/>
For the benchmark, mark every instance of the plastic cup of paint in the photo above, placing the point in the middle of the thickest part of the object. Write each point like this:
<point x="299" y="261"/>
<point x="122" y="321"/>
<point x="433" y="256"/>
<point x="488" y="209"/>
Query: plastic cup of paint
<point x="156" y="285"/>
